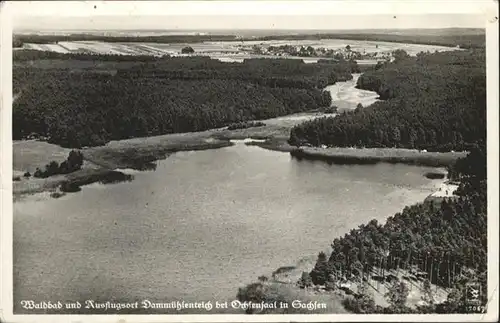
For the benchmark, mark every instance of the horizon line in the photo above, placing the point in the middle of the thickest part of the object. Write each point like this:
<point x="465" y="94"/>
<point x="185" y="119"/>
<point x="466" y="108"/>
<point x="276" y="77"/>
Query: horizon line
<point x="247" y="29"/>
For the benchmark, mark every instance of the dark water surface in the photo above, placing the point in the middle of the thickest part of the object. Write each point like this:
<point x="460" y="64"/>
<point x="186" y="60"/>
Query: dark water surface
<point x="200" y="226"/>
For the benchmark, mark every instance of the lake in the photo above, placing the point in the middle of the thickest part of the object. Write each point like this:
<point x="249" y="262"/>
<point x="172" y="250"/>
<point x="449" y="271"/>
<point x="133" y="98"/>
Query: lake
<point x="198" y="227"/>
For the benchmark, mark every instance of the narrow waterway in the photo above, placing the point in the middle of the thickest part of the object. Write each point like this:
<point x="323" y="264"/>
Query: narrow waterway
<point x="345" y="95"/>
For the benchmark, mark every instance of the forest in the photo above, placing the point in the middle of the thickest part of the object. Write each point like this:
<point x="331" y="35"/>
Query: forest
<point x="26" y="55"/>
<point x="431" y="244"/>
<point x="80" y="107"/>
<point x="275" y="73"/>
<point x="444" y="242"/>
<point x="435" y="101"/>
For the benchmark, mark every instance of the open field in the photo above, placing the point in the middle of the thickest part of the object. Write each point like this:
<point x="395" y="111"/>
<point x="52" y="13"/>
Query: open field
<point x="28" y="155"/>
<point x="231" y="50"/>
<point x="463" y="37"/>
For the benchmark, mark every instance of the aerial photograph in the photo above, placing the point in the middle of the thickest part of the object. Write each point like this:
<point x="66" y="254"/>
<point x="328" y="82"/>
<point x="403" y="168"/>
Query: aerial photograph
<point x="164" y="169"/>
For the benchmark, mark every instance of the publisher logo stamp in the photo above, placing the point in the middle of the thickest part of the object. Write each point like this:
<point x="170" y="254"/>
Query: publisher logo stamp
<point x="473" y="294"/>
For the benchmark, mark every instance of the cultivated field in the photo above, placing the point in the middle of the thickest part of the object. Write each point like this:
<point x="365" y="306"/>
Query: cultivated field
<point x="230" y="50"/>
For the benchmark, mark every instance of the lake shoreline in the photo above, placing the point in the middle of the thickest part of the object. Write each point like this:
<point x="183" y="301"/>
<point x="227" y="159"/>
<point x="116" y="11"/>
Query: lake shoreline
<point x="136" y="153"/>
<point x="142" y="153"/>
<point x="364" y="156"/>
<point x="286" y="278"/>
<point x="132" y="153"/>
<point x="102" y="165"/>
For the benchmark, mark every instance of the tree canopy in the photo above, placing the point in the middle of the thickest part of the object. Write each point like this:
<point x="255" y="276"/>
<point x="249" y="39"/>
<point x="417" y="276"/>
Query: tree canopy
<point x="187" y="50"/>
<point x="434" y="101"/>
<point x="447" y="241"/>
<point x="77" y="107"/>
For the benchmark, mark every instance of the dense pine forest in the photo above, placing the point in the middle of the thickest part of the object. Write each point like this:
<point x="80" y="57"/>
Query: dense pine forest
<point x="433" y="101"/>
<point x="430" y="100"/>
<point x="26" y="55"/>
<point x="76" y="106"/>
<point x="446" y="241"/>
<point x="442" y="243"/>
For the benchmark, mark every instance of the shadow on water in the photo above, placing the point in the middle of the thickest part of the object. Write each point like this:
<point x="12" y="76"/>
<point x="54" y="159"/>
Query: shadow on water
<point x="146" y="166"/>
<point x="132" y="158"/>
<point x="333" y="160"/>
<point x="340" y="159"/>
<point x="103" y="177"/>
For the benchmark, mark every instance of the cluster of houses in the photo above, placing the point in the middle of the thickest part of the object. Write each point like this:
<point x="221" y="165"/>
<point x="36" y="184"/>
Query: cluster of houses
<point x="308" y="51"/>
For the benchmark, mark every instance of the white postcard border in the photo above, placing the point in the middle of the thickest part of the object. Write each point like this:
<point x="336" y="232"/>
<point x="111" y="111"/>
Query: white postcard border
<point x="258" y="8"/>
